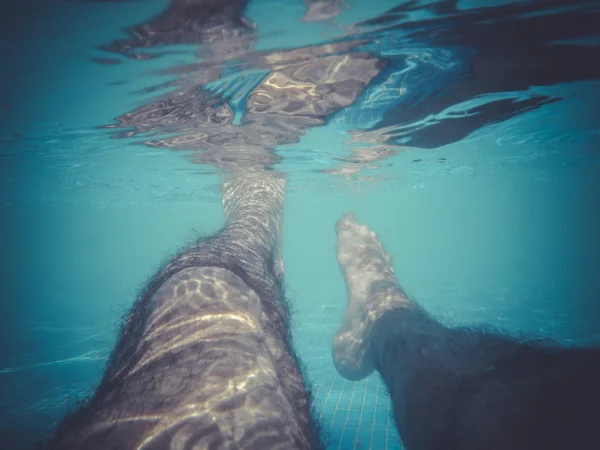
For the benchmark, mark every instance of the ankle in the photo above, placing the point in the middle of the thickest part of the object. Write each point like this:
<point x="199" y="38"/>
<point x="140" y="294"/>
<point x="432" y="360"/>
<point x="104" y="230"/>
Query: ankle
<point x="386" y="296"/>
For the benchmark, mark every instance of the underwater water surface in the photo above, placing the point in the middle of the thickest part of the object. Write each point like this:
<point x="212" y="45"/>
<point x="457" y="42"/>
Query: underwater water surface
<point x="466" y="134"/>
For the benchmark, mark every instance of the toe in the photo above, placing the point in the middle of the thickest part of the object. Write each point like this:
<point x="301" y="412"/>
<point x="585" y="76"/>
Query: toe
<point x="346" y="220"/>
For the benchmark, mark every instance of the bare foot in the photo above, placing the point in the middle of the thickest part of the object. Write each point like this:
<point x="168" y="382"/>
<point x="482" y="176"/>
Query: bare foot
<point x="372" y="291"/>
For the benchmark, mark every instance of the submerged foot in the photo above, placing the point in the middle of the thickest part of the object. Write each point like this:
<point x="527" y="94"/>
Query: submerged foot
<point x="372" y="291"/>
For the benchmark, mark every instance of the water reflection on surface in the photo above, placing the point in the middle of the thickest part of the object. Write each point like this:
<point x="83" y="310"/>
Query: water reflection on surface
<point x="423" y="74"/>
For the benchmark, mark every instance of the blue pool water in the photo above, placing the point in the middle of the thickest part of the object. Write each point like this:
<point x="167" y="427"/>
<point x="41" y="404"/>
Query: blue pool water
<point x="497" y="227"/>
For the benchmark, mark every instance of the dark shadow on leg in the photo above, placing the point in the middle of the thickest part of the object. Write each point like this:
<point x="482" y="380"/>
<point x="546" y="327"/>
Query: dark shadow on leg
<point x="470" y="389"/>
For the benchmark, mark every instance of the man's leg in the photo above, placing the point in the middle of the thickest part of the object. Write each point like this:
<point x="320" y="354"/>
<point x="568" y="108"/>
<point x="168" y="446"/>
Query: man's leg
<point x="456" y="388"/>
<point x="204" y="359"/>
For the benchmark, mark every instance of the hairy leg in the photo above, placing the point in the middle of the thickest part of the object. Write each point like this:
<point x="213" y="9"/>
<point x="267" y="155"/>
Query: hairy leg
<point x="204" y="359"/>
<point x="457" y="388"/>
